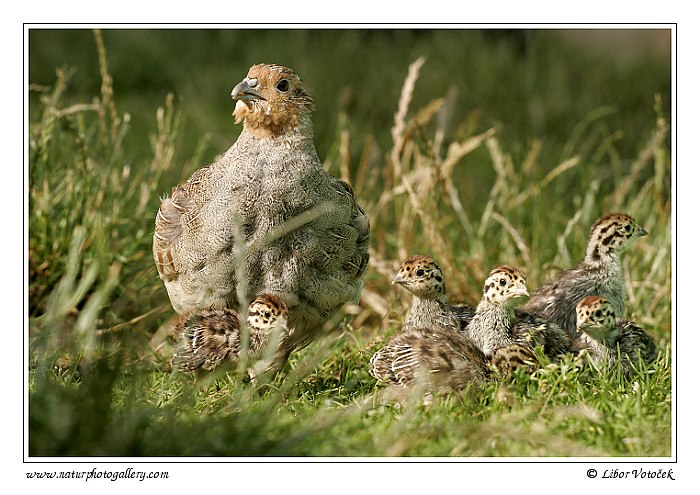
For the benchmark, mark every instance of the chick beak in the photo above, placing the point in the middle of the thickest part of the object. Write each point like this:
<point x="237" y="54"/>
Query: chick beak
<point x="642" y="232"/>
<point x="519" y="292"/>
<point x="242" y="91"/>
<point x="398" y="280"/>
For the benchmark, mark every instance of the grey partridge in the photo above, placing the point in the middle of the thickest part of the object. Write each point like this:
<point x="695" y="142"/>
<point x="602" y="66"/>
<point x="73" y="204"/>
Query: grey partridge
<point x="265" y="217"/>
<point x="600" y="273"/>
<point x="210" y="337"/>
<point x="506" y="334"/>
<point x="608" y="339"/>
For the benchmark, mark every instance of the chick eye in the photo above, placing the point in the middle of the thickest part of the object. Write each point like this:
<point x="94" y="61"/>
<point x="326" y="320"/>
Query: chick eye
<point x="628" y="228"/>
<point x="420" y="272"/>
<point x="598" y="313"/>
<point x="502" y="282"/>
<point x="267" y="314"/>
<point x="283" y="85"/>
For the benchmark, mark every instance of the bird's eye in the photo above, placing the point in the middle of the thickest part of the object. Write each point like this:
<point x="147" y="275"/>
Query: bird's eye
<point x="502" y="282"/>
<point x="420" y="272"/>
<point x="267" y="314"/>
<point x="628" y="228"/>
<point x="283" y="85"/>
<point x="598" y="313"/>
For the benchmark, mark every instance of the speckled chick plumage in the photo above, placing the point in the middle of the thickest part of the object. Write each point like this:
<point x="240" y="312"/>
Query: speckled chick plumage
<point x="600" y="273"/>
<point x="512" y="356"/>
<point x="210" y="337"/>
<point x="603" y="335"/>
<point x="433" y="356"/>
<point x="421" y="276"/>
<point x="267" y="212"/>
<point x="431" y="348"/>
<point x="498" y="325"/>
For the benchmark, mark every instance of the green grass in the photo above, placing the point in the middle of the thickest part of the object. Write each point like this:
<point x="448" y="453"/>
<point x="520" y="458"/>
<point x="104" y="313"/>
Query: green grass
<point x="505" y="155"/>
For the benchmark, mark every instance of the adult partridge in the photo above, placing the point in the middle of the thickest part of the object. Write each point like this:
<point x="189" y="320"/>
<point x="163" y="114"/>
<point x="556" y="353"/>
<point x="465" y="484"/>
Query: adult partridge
<point x="600" y="273"/>
<point x="265" y="217"/>
<point x="210" y="337"/>
<point x="608" y="339"/>
<point x="506" y="334"/>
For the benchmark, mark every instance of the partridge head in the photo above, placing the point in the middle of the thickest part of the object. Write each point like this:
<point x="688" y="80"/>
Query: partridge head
<point x="268" y="314"/>
<point x="596" y="317"/>
<point x="422" y="277"/>
<point x="271" y="101"/>
<point x="504" y="285"/>
<point x="611" y="235"/>
<point x="608" y="339"/>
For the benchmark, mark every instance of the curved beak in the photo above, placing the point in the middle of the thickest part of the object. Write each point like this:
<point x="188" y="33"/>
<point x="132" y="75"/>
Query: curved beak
<point x="398" y="279"/>
<point x="242" y="91"/>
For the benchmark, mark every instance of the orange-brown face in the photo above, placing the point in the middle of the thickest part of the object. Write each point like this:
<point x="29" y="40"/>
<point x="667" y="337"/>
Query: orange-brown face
<point x="271" y="100"/>
<point x="504" y="284"/>
<point x="421" y="276"/>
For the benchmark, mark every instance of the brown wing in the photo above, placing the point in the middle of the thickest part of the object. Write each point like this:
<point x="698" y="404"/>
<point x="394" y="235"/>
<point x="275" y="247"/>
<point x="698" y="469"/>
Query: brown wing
<point x="177" y="216"/>
<point x="355" y="265"/>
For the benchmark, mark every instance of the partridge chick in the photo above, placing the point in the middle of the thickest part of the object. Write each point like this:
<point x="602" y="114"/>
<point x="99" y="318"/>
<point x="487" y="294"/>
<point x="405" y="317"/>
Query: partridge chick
<point x="265" y="217"/>
<point x="211" y="336"/>
<point x="430" y="349"/>
<point x="608" y="339"/>
<point x="600" y="273"/>
<point x="505" y="334"/>
<point x="422" y="277"/>
<point x="437" y="357"/>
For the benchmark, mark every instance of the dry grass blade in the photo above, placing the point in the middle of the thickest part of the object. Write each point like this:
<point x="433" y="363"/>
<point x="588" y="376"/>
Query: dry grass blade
<point x="423" y="116"/>
<point x="522" y="247"/>
<point x="106" y="89"/>
<point x="586" y="213"/>
<point x="345" y="156"/>
<point x="540" y="186"/>
<point x="646" y="155"/>
<point x="457" y="151"/>
<point x="398" y="130"/>
<point x="376" y="302"/>
<point x="498" y="160"/>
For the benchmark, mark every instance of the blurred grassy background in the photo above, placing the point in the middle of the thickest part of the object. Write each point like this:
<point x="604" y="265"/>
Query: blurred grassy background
<point x="528" y="84"/>
<point x="510" y="145"/>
